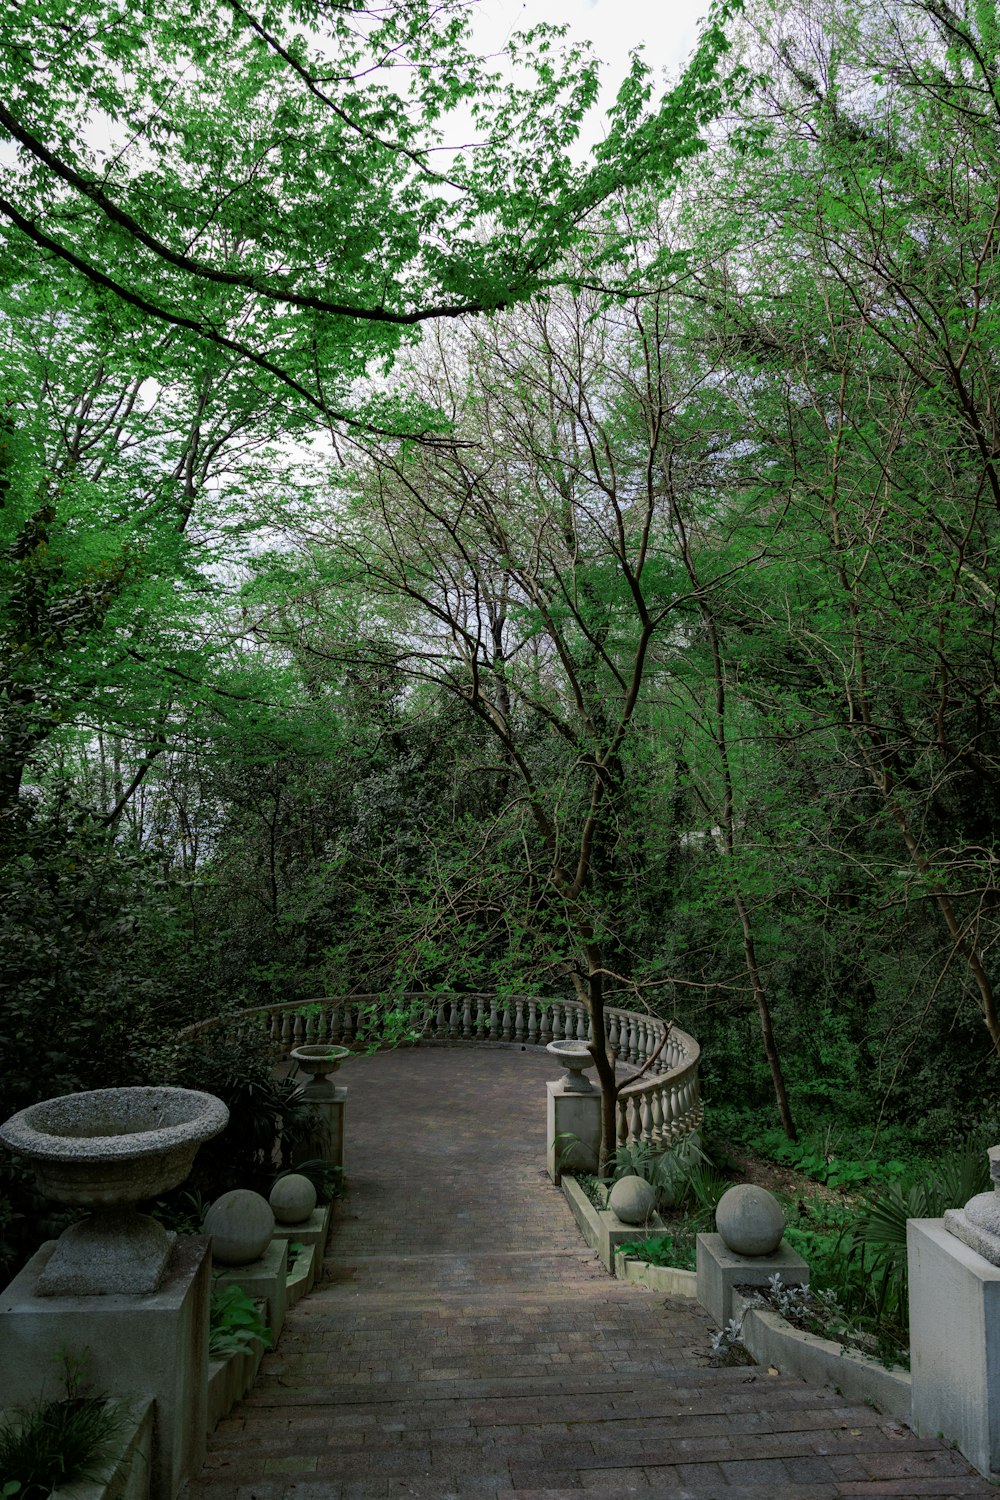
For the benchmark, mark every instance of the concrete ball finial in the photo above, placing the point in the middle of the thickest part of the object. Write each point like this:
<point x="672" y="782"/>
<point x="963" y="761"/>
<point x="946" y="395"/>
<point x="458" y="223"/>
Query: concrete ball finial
<point x="750" y="1220"/>
<point x="241" y="1224"/>
<point x="632" y="1199"/>
<point x="292" y="1198"/>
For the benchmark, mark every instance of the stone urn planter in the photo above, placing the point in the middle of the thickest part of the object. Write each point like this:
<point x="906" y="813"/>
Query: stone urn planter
<point x="576" y="1058"/>
<point x="107" y="1150"/>
<point x="319" y="1060"/>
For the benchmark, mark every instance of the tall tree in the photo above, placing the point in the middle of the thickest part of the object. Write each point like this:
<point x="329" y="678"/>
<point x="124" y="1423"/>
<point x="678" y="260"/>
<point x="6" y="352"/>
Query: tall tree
<point x="274" y="181"/>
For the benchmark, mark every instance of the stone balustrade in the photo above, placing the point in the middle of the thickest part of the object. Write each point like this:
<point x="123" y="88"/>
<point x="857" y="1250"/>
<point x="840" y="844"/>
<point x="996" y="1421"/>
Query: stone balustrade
<point x="659" y="1108"/>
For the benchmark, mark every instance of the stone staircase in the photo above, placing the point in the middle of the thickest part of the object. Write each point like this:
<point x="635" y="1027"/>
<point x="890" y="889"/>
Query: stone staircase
<point x="465" y="1342"/>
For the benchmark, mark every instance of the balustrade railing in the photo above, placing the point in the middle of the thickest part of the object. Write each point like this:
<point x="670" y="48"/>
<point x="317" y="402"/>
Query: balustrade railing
<point x="661" y="1106"/>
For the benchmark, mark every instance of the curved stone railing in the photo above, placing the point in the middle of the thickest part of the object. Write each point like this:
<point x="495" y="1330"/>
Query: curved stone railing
<point x="659" y="1108"/>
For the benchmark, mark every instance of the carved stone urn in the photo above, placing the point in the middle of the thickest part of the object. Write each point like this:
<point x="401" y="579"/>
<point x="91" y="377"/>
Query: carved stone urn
<point x="575" y="1057"/>
<point x="107" y="1150"/>
<point x="319" y="1060"/>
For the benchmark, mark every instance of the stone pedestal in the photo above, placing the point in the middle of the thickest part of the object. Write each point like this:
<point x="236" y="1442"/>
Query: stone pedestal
<point x="133" y="1347"/>
<point x="312" y="1231"/>
<point x="721" y="1269"/>
<point x="954" y="1342"/>
<point x="569" y="1111"/>
<point x="330" y="1101"/>
<point x="264" y="1279"/>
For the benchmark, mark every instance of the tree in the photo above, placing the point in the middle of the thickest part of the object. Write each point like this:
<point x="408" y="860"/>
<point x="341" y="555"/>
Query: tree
<point x="528" y="573"/>
<point x="857" y="323"/>
<point x="267" y="186"/>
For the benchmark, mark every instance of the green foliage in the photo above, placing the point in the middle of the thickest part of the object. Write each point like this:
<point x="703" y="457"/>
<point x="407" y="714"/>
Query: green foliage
<point x="54" y="1443"/>
<point x="878" y="1241"/>
<point x="234" y="1323"/>
<point x="684" y="1175"/>
<point x="834" y="1171"/>
<point x="678" y="1248"/>
<point x="268" y="1116"/>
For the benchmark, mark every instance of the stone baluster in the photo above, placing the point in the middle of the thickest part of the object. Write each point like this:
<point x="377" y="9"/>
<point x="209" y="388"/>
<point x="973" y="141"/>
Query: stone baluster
<point x="494" y="1019"/>
<point x="642" y="1040"/>
<point x="518" y="1020"/>
<point x="347" y="1021"/>
<point x="622" y="1120"/>
<point x="614" y="1033"/>
<point x="298" y="1030"/>
<point x="645" y="1117"/>
<point x="467" y="1018"/>
<point x="656" y="1103"/>
<point x="454" y="1021"/>
<point x="545" y="1028"/>
<point x="532" y="1022"/>
<point x="507" y="1020"/>
<point x="441" y="1020"/>
<point x="676" y="1113"/>
<point x="274" y="1030"/>
<point x="286" y="1030"/>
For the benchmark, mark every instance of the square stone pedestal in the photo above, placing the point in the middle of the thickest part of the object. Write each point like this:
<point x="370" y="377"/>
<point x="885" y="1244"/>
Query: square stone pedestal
<point x="720" y="1269"/>
<point x="954" y="1342"/>
<point x="312" y="1231"/>
<point x="569" y="1113"/>
<point x="264" y="1279"/>
<point x="328" y="1143"/>
<point x="153" y="1346"/>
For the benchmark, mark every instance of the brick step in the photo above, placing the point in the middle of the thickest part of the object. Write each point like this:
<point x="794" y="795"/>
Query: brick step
<point x="686" y="1391"/>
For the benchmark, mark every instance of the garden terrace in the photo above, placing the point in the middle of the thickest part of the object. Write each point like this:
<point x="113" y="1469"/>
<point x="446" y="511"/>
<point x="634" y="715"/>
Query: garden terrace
<point x="659" y="1107"/>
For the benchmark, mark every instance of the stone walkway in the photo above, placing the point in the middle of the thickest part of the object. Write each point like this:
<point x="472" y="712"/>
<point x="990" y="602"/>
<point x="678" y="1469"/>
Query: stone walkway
<point x="466" y="1343"/>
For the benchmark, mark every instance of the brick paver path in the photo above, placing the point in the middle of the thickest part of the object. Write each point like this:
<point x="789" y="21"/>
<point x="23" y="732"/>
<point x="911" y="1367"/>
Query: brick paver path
<point x="466" y="1343"/>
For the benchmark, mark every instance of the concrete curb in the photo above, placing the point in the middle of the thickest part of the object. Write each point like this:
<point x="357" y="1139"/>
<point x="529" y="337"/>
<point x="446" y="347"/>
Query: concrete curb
<point x="230" y="1379"/>
<point x="301" y="1276"/>
<point x="773" y="1341"/>
<point x="670" y="1281"/>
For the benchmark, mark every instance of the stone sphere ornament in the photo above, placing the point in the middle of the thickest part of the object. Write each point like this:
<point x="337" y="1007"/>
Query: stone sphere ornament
<point x="293" y="1198"/>
<point x="241" y="1224"/>
<point x="750" y="1220"/>
<point x="632" y="1199"/>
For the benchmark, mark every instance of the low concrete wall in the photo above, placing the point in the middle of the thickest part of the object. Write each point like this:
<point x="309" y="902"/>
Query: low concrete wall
<point x="229" y="1380"/>
<point x="602" y="1229"/>
<point x="773" y="1341"/>
<point x="125" y="1472"/>
<point x="301" y="1275"/>
<point x="670" y="1281"/>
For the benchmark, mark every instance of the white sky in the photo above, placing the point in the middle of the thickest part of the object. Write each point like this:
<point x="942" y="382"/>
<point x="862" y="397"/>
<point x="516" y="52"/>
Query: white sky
<point x="666" y="29"/>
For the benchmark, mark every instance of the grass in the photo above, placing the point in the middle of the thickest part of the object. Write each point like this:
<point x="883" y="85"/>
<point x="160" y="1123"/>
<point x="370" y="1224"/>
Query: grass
<point x="54" y="1443"/>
